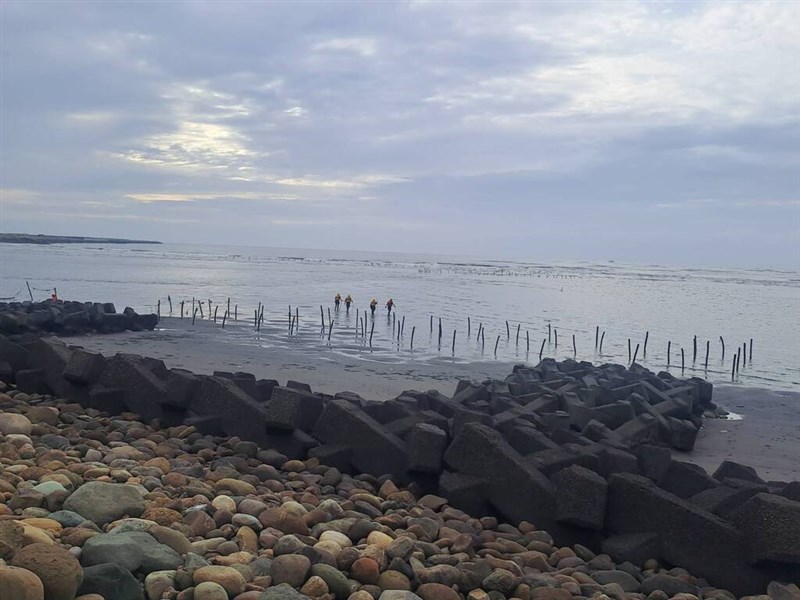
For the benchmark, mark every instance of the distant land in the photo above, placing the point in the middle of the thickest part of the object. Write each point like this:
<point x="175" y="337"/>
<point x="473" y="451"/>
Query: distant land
<point x="29" y="238"/>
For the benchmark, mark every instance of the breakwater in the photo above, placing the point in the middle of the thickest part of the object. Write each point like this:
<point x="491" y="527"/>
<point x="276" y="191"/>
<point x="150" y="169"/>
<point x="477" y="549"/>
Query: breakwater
<point x="70" y="318"/>
<point x="579" y="450"/>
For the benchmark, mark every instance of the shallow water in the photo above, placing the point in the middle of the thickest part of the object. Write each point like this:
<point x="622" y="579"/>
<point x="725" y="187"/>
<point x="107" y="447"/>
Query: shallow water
<point x="625" y="301"/>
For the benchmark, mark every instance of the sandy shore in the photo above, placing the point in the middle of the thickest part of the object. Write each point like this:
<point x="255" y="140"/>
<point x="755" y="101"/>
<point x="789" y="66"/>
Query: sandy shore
<point x="768" y="437"/>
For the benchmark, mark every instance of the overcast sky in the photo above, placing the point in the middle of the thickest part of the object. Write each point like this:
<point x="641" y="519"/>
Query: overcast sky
<point x="646" y="132"/>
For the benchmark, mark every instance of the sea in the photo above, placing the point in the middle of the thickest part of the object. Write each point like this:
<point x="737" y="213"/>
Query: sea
<point x="510" y="311"/>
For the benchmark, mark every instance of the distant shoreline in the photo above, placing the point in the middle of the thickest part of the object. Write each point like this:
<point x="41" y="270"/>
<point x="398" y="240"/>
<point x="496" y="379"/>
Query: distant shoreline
<point x="28" y="238"/>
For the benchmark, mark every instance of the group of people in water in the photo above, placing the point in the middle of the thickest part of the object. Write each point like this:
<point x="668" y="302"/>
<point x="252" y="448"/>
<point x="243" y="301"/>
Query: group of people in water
<point x="337" y="300"/>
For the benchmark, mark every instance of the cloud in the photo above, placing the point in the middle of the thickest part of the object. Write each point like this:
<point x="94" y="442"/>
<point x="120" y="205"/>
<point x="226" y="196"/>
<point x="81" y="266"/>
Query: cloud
<point x="522" y="123"/>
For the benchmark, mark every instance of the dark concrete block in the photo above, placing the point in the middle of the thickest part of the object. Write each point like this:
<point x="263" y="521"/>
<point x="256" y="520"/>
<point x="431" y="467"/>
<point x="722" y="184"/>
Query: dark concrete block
<point x="615" y="414"/>
<point x="332" y="455"/>
<point x="552" y="461"/>
<point x="294" y="444"/>
<point x="517" y="490"/>
<point x="642" y="429"/>
<point x="729" y="468"/>
<point x="16" y="355"/>
<point x="465" y="415"/>
<point x="526" y="439"/>
<point x="32" y="381"/>
<point x="181" y="387"/>
<point x="725" y="500"/>
<point x="373" y="449"/>
<point x="264" y="389"/>
<point x="426" y="446"/>
<point x="240" y="414"/>
<point x="110" y="400"/>
<point x="290" y="409"/>
<point x="298" y="385"/>
<point x="683" y="434"/>
<point x="144" y="392"/>
<point x="83" y="367"/>
<point x="653" y="460"/>
<point x="635" y="548"/>
<point x="690" y="537"/>
<point x="465" y="492"/>
<point x="771" y="526"/>
<point x="580" y="497"/>
<point x="685" y="479"/>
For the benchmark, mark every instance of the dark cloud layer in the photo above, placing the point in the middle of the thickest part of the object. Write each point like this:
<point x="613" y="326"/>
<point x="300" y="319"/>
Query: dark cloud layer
<point x="653" y="132"/>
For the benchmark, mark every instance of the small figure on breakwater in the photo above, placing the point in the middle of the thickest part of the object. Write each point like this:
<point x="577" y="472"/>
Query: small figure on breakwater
<point x="373" y="305"/>
<point x="54" y="295"/>
<point x="347" y="302"/>
<point x="337" y="301"/>
<point x="389" y="306"/>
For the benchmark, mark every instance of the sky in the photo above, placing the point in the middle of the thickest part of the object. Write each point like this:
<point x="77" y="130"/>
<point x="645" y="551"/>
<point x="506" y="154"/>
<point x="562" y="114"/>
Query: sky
<point x="650" y="132"/>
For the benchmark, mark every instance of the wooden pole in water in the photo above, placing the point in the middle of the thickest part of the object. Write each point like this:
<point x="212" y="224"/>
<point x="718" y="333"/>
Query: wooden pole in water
<point x="541" y="349"/>
<point x="733" y="368"/>
<point x="708" y="350"/>
<point x="508" y="332"/>
<point x="602" y="337"/>
<point x="322" y="316"/>
<point x="527" y="341"/>
<point x="329" y="315"/>
<point x="158" y="309"/>
<point x="454" y="341"/>
<point x="440" y="330"/>
<point x="574" y="347"/>
<point x="403" y="325"/>
<point x="548" y="333"/>
<point x="683" y="362"/>
<point x="290" y="315"/>
<point x="194" y="315"/>
<point x="296" y="317"/>
<point x="469" y="328"/>
<point x="431" y="323"/>
<point x="224" y="318"/>
<point x="209" y="308"/>
<point x="694" y="350"/>
<point x="169" y="299"/>
<point x="371" y="331"/>
<point x="635" y="354"/>
<point x="330" y="329"/>
<point x="518" y="326"/>
<point x="215" y="313"/>
<point x="229" y="305"/>
<point x="182" y="301"/>
<point x="261" y="317"/>
<point x="483" y="341"/>
<point x="200" y="306"/>
<point x="30" y="293"/>
<point x="744" y="354"/>
<point x="596" y="336"/>
<point x="480" y="328"/>
<point x="496" y="343"/>
<point x="235" y="312"/>
<point x="555" y="335"/>
<point x="751" y="349"/>
<point x="629" y="349"/>
<point x="413" y="329"/>
<point x="721" y="341"/>
<point x="669" y="349"/>
<point x="644" y="350"/>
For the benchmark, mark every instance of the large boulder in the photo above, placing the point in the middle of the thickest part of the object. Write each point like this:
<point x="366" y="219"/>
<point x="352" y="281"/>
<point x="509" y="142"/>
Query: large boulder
<point x="290" y="409"/>
<point x="771" y="526"/>
<point x="58" y="570"/>
<point x="580" y="497"/>
<point x="102" y="502"/>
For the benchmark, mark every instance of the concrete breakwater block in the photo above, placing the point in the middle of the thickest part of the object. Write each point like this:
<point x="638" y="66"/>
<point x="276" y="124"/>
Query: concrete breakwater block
<point x="70" y="318"/>
<point x="579" y="449"/>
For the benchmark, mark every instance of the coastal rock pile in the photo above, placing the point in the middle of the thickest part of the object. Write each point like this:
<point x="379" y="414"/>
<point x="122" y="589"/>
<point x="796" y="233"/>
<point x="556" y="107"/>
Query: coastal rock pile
<point x="70" y="318"/>
<point x="101" y="507"/>
<point x="579" y="450"/>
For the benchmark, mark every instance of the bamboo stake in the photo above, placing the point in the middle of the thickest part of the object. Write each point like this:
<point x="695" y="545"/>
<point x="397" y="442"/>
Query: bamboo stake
<point x="182" y="301"/>
<point x="518" y="326"/>
<point x="555" y="335"/>
<point x="548" y="333"/>
<point x="644" y="350"/>
<point x="635" y="353"/>
<point x="403" y="325"/>
<point x="574" y="347"/>
<point x="158" y="309"/>
<point x="296" y="317"/>
<point x="694" y="350"/>
<point x="469" y="328"/>
<point x="431" y="323"/>
<point x="683" y="362"/>
<point x="440" y="331"/>
<point x="527" y="341"/>
<point x="454" y="341"/>
<point x="330" y="329"/>
<point x="235" y="312"/>
<point x="708" y="350"/>
<point x="721" y="341"/>
<point x="227" y="311"/>
<point x="751" y="350"/>
<point x="602" y="337"/>
<point x="194" y="315"/>
<point x="480" y="328"/>
<point x="169" y="299"/>
<point x="596" y="336"/>
<point x="322" y="316"/>
<point x="733" y="368"/>
<point x="496" y="343"/>
<point x="215" y="313"/>
<point x="224" y="318"/>
<point x="371" y="331"/>
<point x="744" y="355"/>
<point x="329" y="315"/>
<point x="30" y="293"/>
<point x="200" y="306"/>
<point x="508" y="332"/>
<point x="413" y="329"/>
<point x="669" y="346"/>
<point x="629" y="350"/>
<point x="541" y="349"/>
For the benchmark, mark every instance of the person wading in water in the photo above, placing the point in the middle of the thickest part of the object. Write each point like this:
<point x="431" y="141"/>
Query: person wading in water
<point x="337" y="301"/>
<point x="373" y="305"/>
<point x="347" y="302"/>
<point x="389" y="306"/>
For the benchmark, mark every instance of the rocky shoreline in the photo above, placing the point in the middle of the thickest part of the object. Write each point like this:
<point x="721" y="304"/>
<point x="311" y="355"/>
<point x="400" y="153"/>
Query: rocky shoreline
<point x="70" y="318"/>
<point x="569" y="448"/>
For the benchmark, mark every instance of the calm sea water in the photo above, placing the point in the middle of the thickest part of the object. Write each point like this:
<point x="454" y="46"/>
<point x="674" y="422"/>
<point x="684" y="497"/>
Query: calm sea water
<point x="625" y="301"/>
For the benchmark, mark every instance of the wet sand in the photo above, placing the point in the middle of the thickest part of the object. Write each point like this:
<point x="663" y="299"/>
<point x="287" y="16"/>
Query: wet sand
<point x="767" y="438"/>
